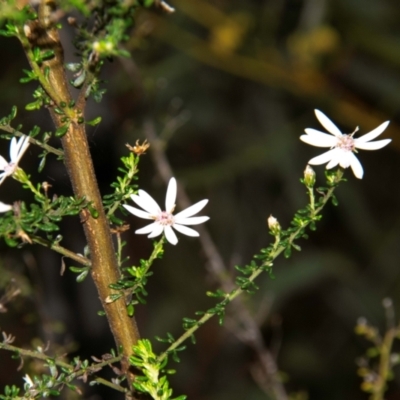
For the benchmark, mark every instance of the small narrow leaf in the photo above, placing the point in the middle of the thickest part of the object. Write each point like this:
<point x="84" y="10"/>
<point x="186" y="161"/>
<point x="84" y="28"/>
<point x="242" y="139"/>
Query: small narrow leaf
<point x="94" y="122"/>
<point x="287" y="252"/>
<point x="62" y="130"/>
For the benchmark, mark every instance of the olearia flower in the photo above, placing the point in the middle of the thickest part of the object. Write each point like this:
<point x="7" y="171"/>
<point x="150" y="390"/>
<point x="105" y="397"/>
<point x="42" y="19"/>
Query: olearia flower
<point x="17" y="150"/>
<point x="164" y="221"/>
<point x="343" y="146"/>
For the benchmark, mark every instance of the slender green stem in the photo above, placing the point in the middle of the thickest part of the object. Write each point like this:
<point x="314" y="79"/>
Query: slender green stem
<point x="119" y="249"/>
<point x="32" y="140"/>
<point x="62" y="250"/>
<point x="34" y="354"/>
<point x="274" y="253"/>
<point x="129" y="177"/>
<point x="311" y="195"/>
<point x="32" y="188"/>
<point x="384" y="365"/>
<point x="95" y="367"/>
<point x="110" y="384"/>
<point x="156" y="251"/>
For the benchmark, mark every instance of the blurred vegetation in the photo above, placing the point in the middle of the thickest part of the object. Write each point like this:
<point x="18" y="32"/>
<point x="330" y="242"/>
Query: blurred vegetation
<point x="230" y="87"/>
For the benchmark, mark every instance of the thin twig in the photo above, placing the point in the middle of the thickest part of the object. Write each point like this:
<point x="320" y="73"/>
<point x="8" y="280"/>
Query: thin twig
<point x="250" y="333"/>
<point x="110" y="384"/>
<point x="62" y="250"/>
<point x="277" y="249"/>
<point x="75" y="373"/>
<point x="50" y="149"/>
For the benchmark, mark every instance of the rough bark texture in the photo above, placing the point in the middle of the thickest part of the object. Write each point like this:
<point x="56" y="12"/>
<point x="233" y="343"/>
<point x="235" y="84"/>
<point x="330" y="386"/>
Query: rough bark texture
<point x="80" y="169"/>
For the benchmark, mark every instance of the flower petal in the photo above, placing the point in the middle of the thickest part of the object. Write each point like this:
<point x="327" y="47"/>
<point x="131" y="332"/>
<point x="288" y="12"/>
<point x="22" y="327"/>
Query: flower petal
<point x="170" y="235"/>
<point x="144" y="200"/>
<point x="13" y="149"/>
<point x="327" y="123"/>
<point x="345" y="158"/>
<point x="356" y="166"/>
<point x="186" y="231"/>
<point x="191" y="221"/>
<point x="170" y="197"/>
<point x="157" y="231"/>
<point x="3" y="163"/>
<point x="147" y="229"/>
<point x="373" y="134"/>
<point x="4" y="207"/>
<point x="331" y="164"/>
<point x="318" y="139"/>
<point x="22" y="146"/>
<point x="316" y="132"/>
<point x="137" y="212"/>
<point x="325" y="157"/>
<point x="372" y="145"/>
<point x="192" y="210"/>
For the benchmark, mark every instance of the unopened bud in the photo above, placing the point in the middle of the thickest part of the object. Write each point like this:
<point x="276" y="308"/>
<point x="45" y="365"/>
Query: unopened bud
<point x="104" y="47"/>
<point x="309" y="177"/>
<point x="20" y="175"/>
<point x="46" y="186"/>
<point x="273" y="225"/>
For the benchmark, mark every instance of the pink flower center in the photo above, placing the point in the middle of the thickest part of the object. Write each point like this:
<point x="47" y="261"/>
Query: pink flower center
<point x="10" y="168"/>
<point x="165" y="218"/>
<point x="346" y="143"/>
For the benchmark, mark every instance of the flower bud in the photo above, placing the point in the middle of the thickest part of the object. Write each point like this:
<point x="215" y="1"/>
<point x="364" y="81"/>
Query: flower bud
<point x="20" y="175"/>
<point x="309" y="177"/>
<point x="273" y="225"/>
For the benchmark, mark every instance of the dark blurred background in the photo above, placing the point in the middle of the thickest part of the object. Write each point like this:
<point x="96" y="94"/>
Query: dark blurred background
<point x="228" y="87"/>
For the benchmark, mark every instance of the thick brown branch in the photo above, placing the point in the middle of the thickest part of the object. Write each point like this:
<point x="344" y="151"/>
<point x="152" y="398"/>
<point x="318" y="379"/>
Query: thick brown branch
<point x="80" y="169"/>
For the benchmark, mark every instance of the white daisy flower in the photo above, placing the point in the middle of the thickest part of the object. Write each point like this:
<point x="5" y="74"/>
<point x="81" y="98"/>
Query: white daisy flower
<point x="343" y="146"/>
<point x="4" y="207"/>
<point x="164" y="221"/>
<point x="17" y="150"/>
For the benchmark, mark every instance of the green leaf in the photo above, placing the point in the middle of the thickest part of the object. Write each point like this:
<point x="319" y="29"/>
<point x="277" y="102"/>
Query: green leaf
<point x="62" y="130"/>
<point x="94" y="122"/>
<point x="34" y="105"/>
<point x="42" y="163"/>
<point x="130" y="309"/>
<point x="93" y="212"/>
<point x="49" y="227"/>
<point x="287" y="252"/>
<point x="10" y="242"/>
<point x="296" y="247"/>
<point x="79" y="80"/>
<point x="124" y="53"/>
<point x="13" y="113"/>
